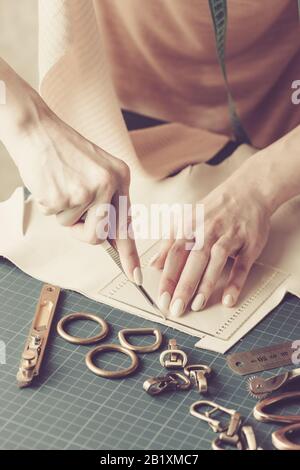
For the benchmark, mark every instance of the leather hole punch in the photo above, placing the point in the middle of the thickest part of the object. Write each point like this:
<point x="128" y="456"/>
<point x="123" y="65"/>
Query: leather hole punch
<point x="198" y="373"/>
<point x="140" y="331"/>
<point x="173" y="358"/>
<point x="107" y="374"/>
<point x="82" y="316"/>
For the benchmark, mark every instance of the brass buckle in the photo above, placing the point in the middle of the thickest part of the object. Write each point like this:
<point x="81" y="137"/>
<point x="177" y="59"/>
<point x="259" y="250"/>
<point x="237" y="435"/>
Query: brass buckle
<point x="171" y="381"/>
<point x="198" y="373"/>
<point x="173" y="358"/>
<point x="89" y="360"/>
<point x="82" y="316"/>
<point x="141" y="331"/>
<point x="231" y="427"/>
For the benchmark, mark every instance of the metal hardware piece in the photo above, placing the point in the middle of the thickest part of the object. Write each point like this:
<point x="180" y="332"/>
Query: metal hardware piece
<point x="231" y="427"/>
<point x="259" y="387"/>
<point x="280" y="438"/>
<point x="248" y="438"/>
<point x="173" y="358"/>
<point x="107" y="374"/>
<point x="141" y="331"/>
<point x="38" y="336"/>
<point x="198" y="373"/>
<point x="259" y="360"/>
<point x="170" y="382"/>
<point x="82" y="316"/>
<point x="223" y="438"/>
<point x="261" y="415"/>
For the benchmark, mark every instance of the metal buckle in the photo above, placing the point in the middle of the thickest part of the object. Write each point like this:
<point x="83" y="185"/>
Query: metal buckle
<point x="140" y="331"/>
<point x="173" y="358"/>
<point x="231" y="427"/>
<point x="171" y="381"/>
<point x="198" y="373"/>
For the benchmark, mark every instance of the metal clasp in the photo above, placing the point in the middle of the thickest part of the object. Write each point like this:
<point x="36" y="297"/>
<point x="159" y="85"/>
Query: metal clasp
<point x="173" y="358"/>
<point x="231" y="427"/>
<point x="198" y="373"/>
<point x="171" y="381"/>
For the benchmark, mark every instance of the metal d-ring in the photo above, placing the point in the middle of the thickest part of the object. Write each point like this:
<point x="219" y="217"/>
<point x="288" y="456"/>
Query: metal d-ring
<point x="108" y="374"/>
<point x="140" y="331"/>
<point x="82" y="316"/>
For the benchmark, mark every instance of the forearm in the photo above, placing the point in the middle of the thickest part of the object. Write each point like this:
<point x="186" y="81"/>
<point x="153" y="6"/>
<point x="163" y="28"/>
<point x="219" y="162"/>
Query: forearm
<point x="273" y="174"/>
<point x="20" y="109"/>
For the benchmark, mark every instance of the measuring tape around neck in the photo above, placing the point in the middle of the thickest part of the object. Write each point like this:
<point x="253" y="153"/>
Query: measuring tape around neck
<point x="219" y="15"/>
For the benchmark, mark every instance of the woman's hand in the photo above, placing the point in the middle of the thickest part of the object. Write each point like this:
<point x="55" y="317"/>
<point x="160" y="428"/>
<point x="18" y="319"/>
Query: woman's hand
<point x="236" y="224"/>
<point x="64" y="171"/>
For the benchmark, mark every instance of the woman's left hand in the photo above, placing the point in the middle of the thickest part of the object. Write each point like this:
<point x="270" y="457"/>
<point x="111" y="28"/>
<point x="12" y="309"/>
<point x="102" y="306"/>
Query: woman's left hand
<point x="236" y="224"/>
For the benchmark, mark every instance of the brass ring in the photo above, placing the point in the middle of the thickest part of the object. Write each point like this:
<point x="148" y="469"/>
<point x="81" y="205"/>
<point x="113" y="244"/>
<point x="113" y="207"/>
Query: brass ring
<point x="82" y="316"/>
<point x="108" y="374"/>
<point x="141" y="331"/>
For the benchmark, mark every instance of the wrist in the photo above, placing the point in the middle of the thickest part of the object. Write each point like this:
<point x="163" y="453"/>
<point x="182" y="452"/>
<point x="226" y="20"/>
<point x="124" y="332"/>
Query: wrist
<point x="257" y="177"/>
<point x="21" y="112"/>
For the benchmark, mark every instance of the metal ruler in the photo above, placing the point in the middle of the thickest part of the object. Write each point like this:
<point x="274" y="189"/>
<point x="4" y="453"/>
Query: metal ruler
<point x="271" y="357"/>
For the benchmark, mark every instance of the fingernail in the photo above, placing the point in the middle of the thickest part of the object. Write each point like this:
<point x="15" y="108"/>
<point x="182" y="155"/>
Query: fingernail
<point x="154" y="258"/>
<point x="177" y="308"/>
<point x="164" y="302"/>
<point x="198" y="302"/>
<point x="138" y="276"/>
<point x="228" y="300"/>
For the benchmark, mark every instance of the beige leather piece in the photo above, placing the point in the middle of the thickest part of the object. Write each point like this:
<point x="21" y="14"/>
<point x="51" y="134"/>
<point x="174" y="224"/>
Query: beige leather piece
<point x="43" y="249"/>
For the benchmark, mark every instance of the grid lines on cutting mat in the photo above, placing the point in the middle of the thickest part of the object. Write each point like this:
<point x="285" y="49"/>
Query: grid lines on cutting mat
<point x="70" y="408"/>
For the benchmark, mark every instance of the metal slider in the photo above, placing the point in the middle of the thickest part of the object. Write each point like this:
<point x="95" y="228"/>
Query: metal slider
<point x="198" y="374"/>
<point x="36" y="342"/>
<point x="170" y="382"/>
<point x="173" y="358"/>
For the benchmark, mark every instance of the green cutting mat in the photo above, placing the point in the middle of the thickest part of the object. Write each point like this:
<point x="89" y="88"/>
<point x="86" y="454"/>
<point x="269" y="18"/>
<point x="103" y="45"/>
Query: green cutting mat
<point x="70" y="408"/>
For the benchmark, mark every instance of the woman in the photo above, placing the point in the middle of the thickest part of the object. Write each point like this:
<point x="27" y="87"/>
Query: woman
<point x="164" y="65"/>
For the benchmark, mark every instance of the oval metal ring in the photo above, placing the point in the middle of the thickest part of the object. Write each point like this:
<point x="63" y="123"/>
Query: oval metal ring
<point x="82" y="316"/>
<point x="109" y="374"/>
<point x="141" y="331"/>
<point x="280" y="438"/>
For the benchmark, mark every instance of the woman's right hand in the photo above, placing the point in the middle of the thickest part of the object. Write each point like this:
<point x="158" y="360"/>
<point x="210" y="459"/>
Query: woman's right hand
<point x="68" y="174"/>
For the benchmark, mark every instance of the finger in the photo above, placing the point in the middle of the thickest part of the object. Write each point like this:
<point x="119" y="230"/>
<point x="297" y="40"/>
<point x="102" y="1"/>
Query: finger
<point x="69" y="217"/>
<point x="86" y="231"/>
<point x="174" y="264"/>
<point x="159" y="259"/>
<point x="124" y="239"/>
<point x="189" y="280"/>
<point x="219" y="254"/>
<point x="45" y="210"/>
<point x="237" y="279"/>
